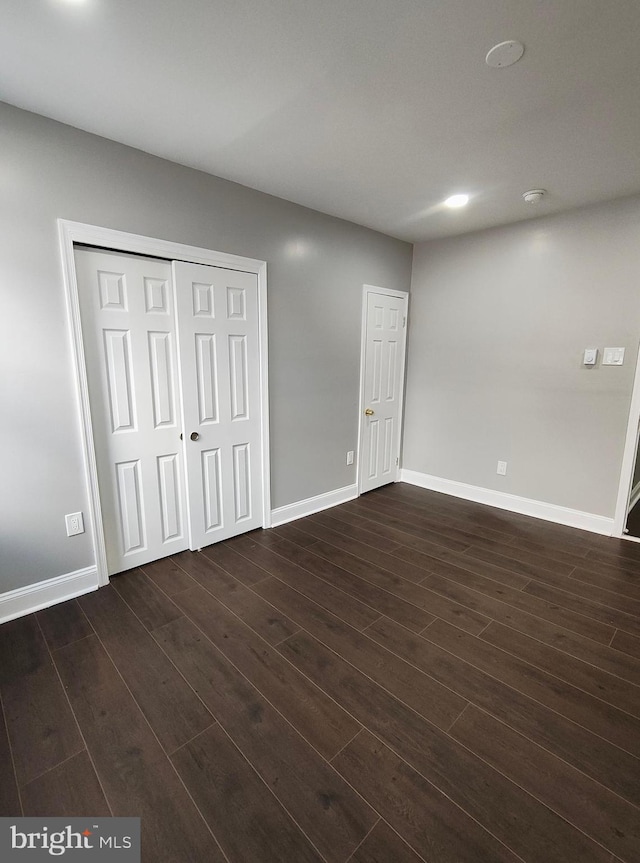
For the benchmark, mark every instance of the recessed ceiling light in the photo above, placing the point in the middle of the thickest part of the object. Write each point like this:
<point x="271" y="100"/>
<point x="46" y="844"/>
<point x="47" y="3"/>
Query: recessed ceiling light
<point x="456" y="201"/>
<point x="505" y="54"/>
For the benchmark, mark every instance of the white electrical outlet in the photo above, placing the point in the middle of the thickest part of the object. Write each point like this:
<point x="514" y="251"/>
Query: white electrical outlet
<point x="74" y="523"/>
<point x="502" y="468"/>
<point x="350" y="457"/>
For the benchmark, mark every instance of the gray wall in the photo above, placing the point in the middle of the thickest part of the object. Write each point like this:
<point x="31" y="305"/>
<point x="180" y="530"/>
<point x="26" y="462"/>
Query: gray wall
<point x="316" y="268"/>
<point x="498" y="324"/>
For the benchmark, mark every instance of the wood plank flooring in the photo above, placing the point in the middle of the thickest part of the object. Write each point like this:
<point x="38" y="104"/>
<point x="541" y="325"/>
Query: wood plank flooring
<point x="406" y="678"/>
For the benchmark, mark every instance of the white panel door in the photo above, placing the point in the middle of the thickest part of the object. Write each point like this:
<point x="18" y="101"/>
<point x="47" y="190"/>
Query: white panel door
<point x="384" y="346"/>
<point x="129" y="334"/>
<point x="218" y="340"/>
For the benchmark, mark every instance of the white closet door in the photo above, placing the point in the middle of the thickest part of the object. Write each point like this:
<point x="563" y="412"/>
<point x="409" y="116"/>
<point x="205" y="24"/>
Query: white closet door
<point x="218" y="338"/>
<point x="128" y="324"/>
<point x="383" y="379"/>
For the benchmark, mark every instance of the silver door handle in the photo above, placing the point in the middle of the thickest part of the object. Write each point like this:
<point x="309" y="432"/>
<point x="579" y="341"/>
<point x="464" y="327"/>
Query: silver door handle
<point x="194" y="435"/>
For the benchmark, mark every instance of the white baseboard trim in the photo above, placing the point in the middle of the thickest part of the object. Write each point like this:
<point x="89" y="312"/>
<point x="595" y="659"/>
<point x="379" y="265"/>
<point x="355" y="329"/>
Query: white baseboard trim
<point x="501" y="500"/>
<point x="292" y="511"/>
<point x="34" y="597"/>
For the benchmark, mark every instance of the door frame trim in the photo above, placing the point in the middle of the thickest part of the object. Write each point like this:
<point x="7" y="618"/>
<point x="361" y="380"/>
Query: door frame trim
<point x="628" y="458"/>
<point x="70" y="233"/>
<point x="402" y="295"/>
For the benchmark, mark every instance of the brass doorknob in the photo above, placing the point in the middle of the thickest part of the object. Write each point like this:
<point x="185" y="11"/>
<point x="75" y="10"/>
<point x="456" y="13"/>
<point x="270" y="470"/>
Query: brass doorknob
<point x="368" y="412"/>
<point x="194" y="435"/>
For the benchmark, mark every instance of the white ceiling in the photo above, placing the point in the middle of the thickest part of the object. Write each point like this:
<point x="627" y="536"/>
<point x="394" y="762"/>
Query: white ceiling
<point x="372" y="110"/>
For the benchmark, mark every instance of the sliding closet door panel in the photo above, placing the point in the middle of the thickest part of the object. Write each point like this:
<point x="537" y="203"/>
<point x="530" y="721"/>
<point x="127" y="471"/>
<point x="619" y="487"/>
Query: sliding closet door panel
<point x="129" y="335"/>
<point x="219" y="354"/>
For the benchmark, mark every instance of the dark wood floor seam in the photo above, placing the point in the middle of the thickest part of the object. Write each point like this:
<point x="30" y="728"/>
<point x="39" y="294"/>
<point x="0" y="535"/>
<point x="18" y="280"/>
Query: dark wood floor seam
<point x="75" y="718"/>
<point x="13" y="761"/>
<point x="530" y="612"/>
<point x="348" y="743"/>
<point x="265" y="695"/>
<point x="526" y="791"/>
<point x="479" y="634"/>
<point x="253" y="685"/>
<point x="552" y="710"/>
<point x="345" y="592"/>
<point x="375" y="682"/>
<point x="417" y="770"/>
<point x="460" y="715"/>
<point x="131" y="693"/>
<point x="505" y="722"/>
<point x="333" y="650"/>
<point x="199" y="811"/>
<point x="499" y="719"/>
<point x="235" y="746"/>
<point x="191" y="739"/>
<point x="284" y="638"/>
<point x="560" y="652"/>
<point x="567" y="683"/>
<point x="55" y="766"/>
<point x="537" y="796"/>
<point x="364" y="839"/>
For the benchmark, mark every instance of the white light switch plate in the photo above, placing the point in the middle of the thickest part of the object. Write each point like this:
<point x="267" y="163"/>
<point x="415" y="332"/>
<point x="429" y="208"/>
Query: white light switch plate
<point x="590" y="356"/>
<point x="613" y="357"/>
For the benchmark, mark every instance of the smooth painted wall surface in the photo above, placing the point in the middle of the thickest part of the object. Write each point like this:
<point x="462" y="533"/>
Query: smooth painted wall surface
<point x="316" y="268"/>
<point x="499" y="321"/>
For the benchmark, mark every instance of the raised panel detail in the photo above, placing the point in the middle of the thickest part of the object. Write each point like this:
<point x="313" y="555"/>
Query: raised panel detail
<point x="374" y="443"/>
<point x="202" y="300"/>
<point x="241" y="481"/>
<point x="156" y="296"/>
<point x="113" y="291"/>
<point x="212" y="490"/>
<point x="161" y="379"/>
<point x="206" y="369"/>
<point x="388" y="445"/>
<point x="394" y="319"/>
<point x="117" y="351"/>
<point x="236" y="308"/>
<point x="378" y="317"/>
<point x="376" y="371"/>
<point x="130" y="506"/>
<point x="238" y="377"/>
<point x="169" y="485"/>
<point x="392" y="362"/>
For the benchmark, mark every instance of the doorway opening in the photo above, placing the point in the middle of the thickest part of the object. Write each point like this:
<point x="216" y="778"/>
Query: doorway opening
<point x="626" y="522"/>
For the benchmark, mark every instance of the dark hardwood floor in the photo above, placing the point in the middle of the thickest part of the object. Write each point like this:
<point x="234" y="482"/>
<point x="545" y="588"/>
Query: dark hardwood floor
<point x="404" y="678"/>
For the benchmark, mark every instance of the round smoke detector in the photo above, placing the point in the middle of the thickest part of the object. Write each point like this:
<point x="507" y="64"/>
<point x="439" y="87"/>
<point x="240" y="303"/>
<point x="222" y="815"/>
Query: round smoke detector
<point x="534" y="196"/>
<point x="505" y="54"/>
